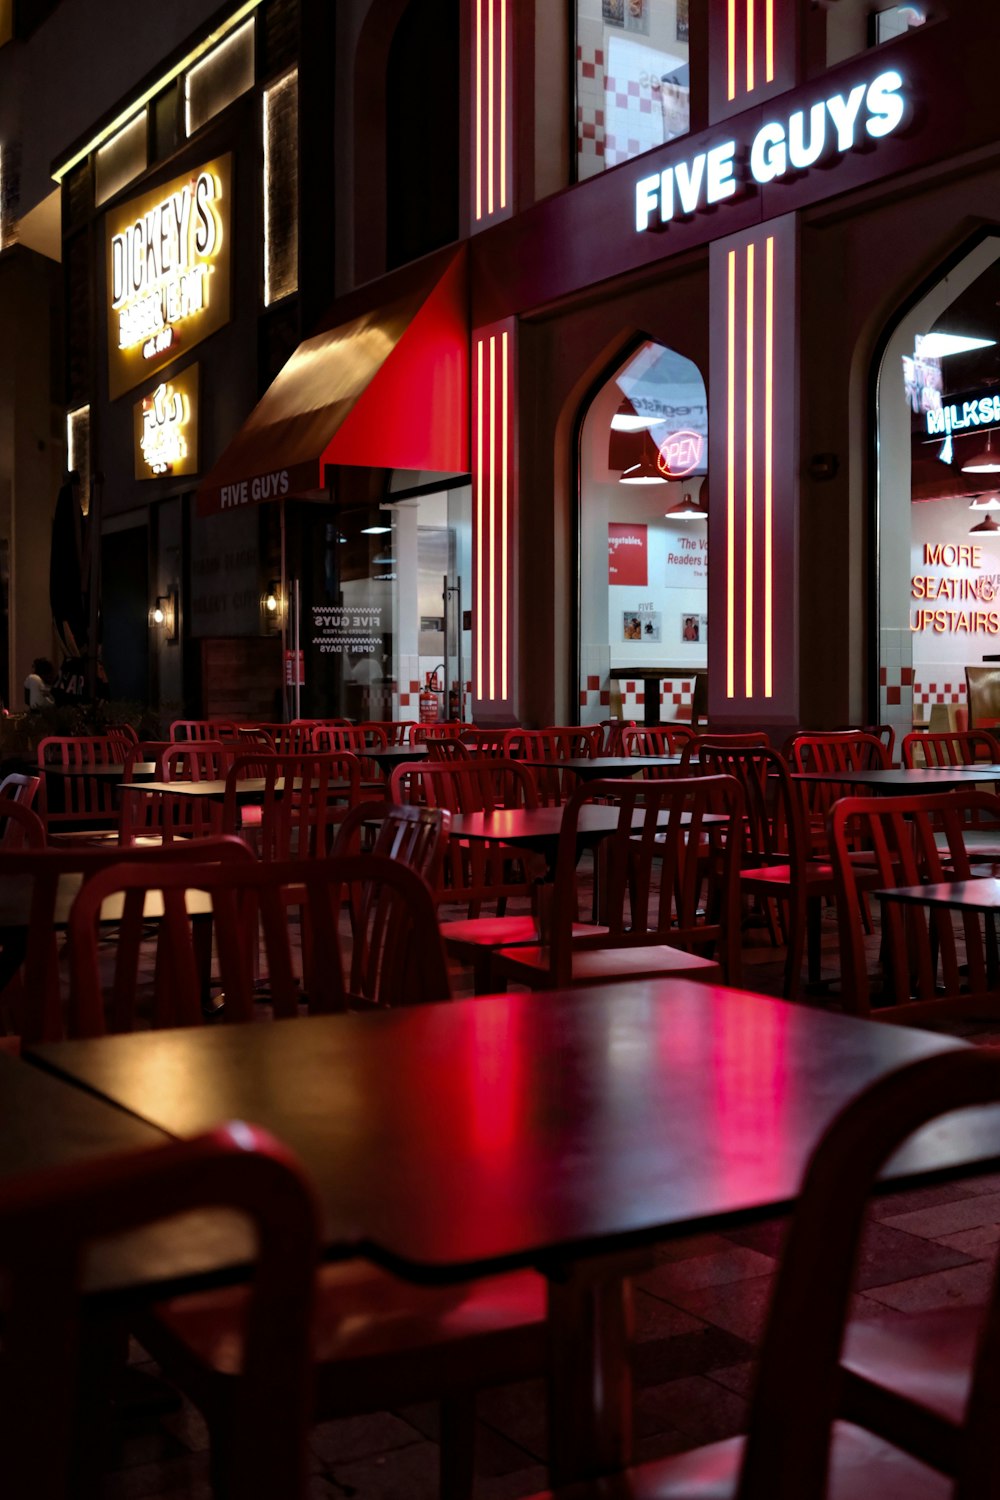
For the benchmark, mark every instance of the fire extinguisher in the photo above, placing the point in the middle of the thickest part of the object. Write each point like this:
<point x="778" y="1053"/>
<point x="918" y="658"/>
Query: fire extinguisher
<point x="428" y="703"/>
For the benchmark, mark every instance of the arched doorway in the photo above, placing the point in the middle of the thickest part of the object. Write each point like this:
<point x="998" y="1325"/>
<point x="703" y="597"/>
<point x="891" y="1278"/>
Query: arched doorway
<point x="643" y="540"/>
<point x="938" y="489"/>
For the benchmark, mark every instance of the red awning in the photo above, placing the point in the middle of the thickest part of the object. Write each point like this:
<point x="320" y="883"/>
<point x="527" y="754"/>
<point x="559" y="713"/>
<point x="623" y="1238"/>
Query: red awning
<point x="386" y="387"/>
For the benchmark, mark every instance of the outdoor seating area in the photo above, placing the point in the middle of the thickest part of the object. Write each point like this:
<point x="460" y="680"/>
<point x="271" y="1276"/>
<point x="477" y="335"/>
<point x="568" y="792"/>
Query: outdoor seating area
<point x="570" y="1023"/>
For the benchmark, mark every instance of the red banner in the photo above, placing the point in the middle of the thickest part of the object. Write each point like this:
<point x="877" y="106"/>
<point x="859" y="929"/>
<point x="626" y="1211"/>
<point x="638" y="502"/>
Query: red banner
<point x="628" y="554"/>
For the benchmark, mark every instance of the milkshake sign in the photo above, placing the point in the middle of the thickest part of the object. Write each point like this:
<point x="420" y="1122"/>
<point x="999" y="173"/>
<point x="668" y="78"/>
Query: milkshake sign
<point x="168" y="272"/>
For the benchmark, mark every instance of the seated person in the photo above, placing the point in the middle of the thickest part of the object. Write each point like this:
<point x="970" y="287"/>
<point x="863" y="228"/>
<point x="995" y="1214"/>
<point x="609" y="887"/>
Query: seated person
<point x="38" y="684"/>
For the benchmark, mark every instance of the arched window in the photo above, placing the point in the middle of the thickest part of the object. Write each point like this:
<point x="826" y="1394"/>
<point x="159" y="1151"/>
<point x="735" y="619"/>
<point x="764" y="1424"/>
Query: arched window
<point x="422" y="131"/>
<point x="939" y="494"/>
<point x="643" y="592"/>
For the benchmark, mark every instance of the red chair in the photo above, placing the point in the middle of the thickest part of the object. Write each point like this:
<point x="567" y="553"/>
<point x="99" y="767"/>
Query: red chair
<point x="355" y="739"/>
<point x="543" y="749"/>
<point x="39" y="886"/>
<point x="22" y="789"/>
<point x="447" y="749"/>
<point x="140" y="814"/>
<point x="451" y="728"/>
<point x="78" y="805"/>
<point x="667" y="739"/>
<point x="395" y="954"/>
<point x="950" y="748"/>
<point x="198" y="760"/>
<point x="669" y="889"/>
<point x="303" y="800"/>
<point x="846" y="749"/>
<point x="926" y="973"/>
<point x="395" y="731"/>
<point x="801" y="1441"/>
<point x="48" y="1219"/>
<point x="475" y="872"/>
<point x="774" y="857"/>
<point x="613" y="730"/>
<point x="203" y="729"/>
<point x="500" y="742"/>
<point x="20" y="828"/>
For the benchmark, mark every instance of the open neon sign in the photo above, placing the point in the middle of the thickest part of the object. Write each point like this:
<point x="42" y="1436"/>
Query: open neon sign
<point x="679" y="454"/>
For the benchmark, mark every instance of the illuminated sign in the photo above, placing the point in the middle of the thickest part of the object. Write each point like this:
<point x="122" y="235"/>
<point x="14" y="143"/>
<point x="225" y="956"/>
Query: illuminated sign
<point x="165" y="426"/>
<point x="167" y="272"/>
<point x="680" y="454"/>
<point x="780" y="148"/>
<point x="981" y="411"/>
<point x="955" y="589"/>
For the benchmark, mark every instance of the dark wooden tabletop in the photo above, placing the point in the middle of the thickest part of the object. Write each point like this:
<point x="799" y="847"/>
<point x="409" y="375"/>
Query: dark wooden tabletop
<point x="612" y="765"/>
<point x="142" y="770"/>
<point x="45" y="1122"/>
<point x="903" y="779"/>
<point x="981" y="894"/>
<point x="248" y="789"/>
<point x="491" y="1133"/>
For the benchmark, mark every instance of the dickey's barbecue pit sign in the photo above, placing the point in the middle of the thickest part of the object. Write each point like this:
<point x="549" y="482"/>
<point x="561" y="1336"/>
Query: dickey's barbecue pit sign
<point x="167" y="265"/>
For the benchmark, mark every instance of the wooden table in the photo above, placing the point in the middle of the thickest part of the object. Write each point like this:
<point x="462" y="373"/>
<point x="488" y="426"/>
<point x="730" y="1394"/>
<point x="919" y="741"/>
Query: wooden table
<point x="249" y="789"/>
<point x="610" y="765"/>
<point x="903" y="781"/>
<point x="564" y="1131"/>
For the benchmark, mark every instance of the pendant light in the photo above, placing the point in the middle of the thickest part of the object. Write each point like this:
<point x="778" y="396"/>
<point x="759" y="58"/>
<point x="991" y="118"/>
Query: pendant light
<point x="644" y="472"/>
<point x="986" y="524"/>
<point x="990" y="501"/>
<point x="690" y="507"/>
<point x="627" y="419"/>
<point x="985" y="461"/>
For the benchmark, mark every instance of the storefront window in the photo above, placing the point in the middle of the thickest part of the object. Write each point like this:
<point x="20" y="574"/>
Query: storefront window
<point x="633" y="89"/>
<point x="852" y="26"/>
<point x="386" y="603"/>
<point x="939" y="496"/>
<point x="644" y="541"/>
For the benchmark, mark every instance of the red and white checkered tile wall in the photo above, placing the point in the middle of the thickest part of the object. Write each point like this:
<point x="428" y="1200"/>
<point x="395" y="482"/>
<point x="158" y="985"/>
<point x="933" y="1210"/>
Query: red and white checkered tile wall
<point x="676" y="697"/>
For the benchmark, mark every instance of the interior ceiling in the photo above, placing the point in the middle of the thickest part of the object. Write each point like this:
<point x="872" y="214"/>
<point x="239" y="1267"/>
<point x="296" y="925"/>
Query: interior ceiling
<point x="975" y="313"/>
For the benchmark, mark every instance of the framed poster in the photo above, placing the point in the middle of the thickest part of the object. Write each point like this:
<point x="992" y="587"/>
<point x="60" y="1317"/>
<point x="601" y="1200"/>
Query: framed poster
<point x="642" y="625"/>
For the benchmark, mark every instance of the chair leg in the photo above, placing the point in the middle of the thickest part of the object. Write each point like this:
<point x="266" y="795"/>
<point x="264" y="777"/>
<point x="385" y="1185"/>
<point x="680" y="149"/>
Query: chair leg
<point x="458" y="1446"/>
<point x="814" y="916"/>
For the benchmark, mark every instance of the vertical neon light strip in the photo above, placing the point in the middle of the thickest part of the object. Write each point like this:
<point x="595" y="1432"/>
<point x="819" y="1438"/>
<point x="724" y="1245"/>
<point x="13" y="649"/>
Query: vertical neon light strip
<point x="769" y="39"/>
<point x="493" y="515"/>
<point x="768" y="471"/>
<point x="480" y="609"/>
<point x="503" y="107"/>
<point x="731" y="485"/>
<point x="490" y="40"/>
<point x="749" y="508"/>
<point x="731" y="94"/>
<point x="479" y="109"/>
<point x="751" y="23"/>
<point x="504" y="537"/>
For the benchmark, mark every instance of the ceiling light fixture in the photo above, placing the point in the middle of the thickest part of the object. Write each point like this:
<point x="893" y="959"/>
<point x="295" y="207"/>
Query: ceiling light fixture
<point x="986" y="524"/>
<point x="985" y="461"/>
<point x="375" y="530"/>
<point x="986" y="502"/>
<point x="938" y="345"/>
<point x="690" y="507"/>
<point x="627" y="419"/>
<point x="644" y="472"/>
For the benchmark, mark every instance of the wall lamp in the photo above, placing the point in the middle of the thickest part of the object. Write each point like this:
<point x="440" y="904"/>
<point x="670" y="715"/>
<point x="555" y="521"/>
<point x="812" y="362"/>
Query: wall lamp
<point x="271" y="605"/>
<point x="163" y="615"/>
